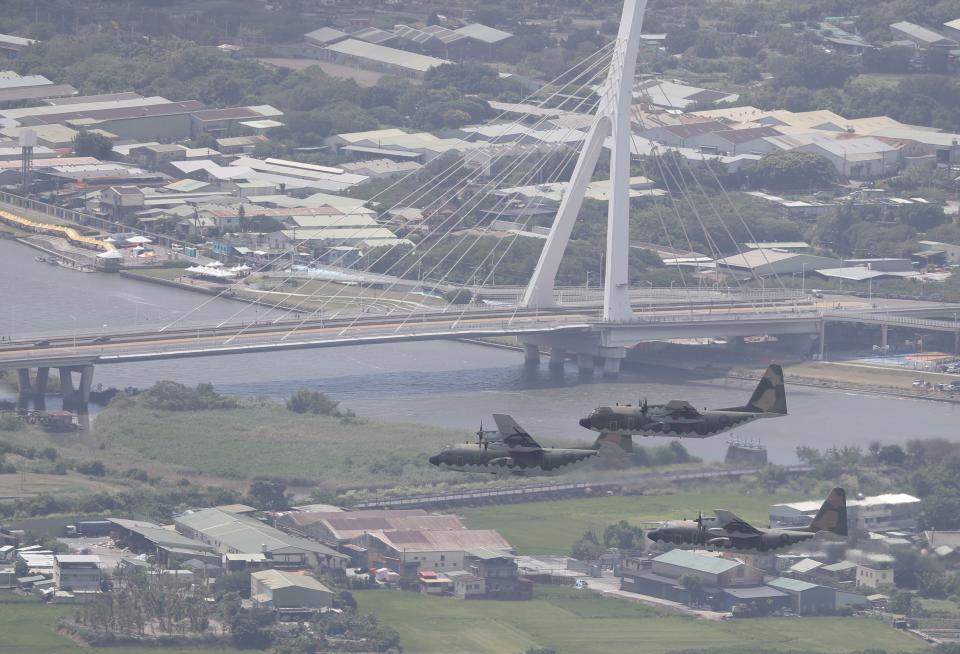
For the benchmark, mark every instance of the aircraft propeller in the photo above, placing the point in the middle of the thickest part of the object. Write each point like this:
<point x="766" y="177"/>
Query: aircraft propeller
<point x="482" y="438"/>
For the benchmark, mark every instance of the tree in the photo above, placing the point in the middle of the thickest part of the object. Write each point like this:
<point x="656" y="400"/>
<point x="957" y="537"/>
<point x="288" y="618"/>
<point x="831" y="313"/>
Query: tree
<point x="269" y="495"/>
<point x="20" y="568"/>
<point x="923" y="216"/>
<point x="892" y="455"/>
<point x="89" y="144"/>
<point x="622" y="535"/>
<point x="794" y="170"/>
<point x="587" y="548"/>
<point x="248" y="629"/>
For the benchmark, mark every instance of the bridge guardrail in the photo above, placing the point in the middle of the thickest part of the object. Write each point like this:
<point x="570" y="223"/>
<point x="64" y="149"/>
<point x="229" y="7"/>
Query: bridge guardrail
<point x="891" y="319"/>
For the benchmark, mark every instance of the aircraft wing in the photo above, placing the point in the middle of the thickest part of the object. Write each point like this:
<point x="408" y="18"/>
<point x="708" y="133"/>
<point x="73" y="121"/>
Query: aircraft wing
<point x="512" y="433"/>
<point x="731" y="522"/>
<point x="681" y="408"/>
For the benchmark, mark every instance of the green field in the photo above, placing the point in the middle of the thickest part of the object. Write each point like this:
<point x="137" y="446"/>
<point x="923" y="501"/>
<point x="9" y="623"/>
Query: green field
<point x="553" y="527"/>
<point x="269" y="440"/>
<point x="579" y="622"/>
<point x="26" y="628"/>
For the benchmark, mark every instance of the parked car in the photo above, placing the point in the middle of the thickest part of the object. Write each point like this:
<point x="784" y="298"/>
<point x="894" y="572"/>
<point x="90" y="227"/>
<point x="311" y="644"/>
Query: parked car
<point x="43" y="343"/>
<point x="102" y="339"/>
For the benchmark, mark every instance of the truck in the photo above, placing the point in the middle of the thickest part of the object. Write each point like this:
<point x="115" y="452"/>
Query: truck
<point x="86" y="528"/>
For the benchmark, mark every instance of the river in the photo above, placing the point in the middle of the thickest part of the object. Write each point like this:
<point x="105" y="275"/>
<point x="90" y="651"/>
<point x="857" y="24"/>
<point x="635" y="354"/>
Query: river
<point x="446" y="384"/>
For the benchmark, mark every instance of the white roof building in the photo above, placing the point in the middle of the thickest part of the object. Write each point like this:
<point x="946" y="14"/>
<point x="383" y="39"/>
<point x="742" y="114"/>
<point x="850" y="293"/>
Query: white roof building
<point x="382" y="57"/>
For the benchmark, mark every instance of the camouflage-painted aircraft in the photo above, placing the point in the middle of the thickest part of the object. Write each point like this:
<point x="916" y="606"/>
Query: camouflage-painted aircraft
<point x="728" y="531"/>
<point x="511" y="450"/>
<point x="679" y="418"/>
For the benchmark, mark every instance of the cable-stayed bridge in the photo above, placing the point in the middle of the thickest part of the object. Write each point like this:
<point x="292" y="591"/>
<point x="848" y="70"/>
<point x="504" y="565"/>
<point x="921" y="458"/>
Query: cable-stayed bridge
<point x="459" y="251"/>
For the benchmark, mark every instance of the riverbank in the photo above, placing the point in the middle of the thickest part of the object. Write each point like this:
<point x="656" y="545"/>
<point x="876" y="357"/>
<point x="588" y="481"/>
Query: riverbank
<point x="860" y="378"/>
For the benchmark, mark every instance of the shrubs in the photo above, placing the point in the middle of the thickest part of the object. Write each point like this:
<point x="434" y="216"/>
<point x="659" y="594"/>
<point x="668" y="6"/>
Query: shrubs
<point x="308" y="401"/>
<point x="172" y="396"/>
<point x="10" y="423"/>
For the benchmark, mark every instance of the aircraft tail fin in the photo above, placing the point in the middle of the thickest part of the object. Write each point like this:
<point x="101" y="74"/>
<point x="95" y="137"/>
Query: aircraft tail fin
<point x="770" y="395"/>
<point x="832" y="515"/>
<point x="623" y="441"/>
<point x="512" y="433"/>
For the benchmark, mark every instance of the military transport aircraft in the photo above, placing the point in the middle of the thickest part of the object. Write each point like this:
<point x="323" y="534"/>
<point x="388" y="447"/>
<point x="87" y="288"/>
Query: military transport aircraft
<point x="511" y="450"/>
<point x="728" y="531"/>
<point x="680" y="418"/>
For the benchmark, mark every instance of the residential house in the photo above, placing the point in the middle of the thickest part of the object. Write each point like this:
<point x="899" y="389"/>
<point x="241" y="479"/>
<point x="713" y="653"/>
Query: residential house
<point x="874" y="576"/>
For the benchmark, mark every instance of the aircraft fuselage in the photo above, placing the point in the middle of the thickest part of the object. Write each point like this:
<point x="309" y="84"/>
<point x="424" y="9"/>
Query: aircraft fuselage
<point x="495" y="458"/>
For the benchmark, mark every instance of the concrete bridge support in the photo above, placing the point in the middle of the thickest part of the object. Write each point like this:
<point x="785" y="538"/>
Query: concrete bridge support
<point x="76" y="397"/>
<point x="585" y="364"/>
<point x="531" y="354"/>
<point x="883" y="338"/>
<point x="23" y="381"/>
<point x="558" y="358"/>
<point x="40" y="388"/>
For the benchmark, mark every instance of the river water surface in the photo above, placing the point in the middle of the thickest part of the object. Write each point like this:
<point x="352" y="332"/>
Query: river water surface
<point x="440" y="383"/>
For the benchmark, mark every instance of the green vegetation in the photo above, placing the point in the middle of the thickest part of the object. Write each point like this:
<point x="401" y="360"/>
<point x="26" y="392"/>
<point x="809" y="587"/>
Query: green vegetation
<point x="579" y="622"/>
<point x="551" y="527"/>
<point x="265" y="439"/>
<point x="27" y="628"/>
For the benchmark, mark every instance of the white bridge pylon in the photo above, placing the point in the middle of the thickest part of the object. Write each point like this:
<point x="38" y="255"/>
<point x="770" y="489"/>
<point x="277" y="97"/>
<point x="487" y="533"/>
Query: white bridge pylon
<point x="612" y="119"/>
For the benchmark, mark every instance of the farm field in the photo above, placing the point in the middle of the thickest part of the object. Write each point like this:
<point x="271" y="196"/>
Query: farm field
<point x="553" y="527"/>
<point x="27" y="628"/>
<point x="579" y="622"/>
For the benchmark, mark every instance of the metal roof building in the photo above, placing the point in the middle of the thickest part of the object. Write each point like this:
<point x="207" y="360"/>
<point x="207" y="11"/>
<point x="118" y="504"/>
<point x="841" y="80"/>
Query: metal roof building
<point x="764" y="262"/>
<point x="286" y="590"/>
<point x="890" y="511"/>
<point x="232" y="533"/>
<point x="381" y="58"/>
<point x="807" y="598"/>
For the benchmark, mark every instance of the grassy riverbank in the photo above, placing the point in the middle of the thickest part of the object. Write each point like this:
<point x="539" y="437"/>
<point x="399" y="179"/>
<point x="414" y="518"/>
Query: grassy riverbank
<point x="265" y="439"/>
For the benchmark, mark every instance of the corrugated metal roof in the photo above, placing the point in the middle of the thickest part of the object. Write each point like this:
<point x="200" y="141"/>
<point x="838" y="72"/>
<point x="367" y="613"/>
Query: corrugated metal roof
<point x="792" y="585"/>
<point x="383" y="54"/>
<point x="480" y="32"/>
<point x="274" y="579"/>
<point x="243" y="534"/>
<point x="699" y="562"/>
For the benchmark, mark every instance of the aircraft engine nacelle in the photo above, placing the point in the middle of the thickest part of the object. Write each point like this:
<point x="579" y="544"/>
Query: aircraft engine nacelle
<point x="719" y="542"/>
<point x="503" y="462"/>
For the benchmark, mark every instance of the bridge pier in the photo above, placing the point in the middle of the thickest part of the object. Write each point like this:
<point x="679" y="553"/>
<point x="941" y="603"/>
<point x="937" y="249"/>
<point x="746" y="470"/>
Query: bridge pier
<point x="823" y="340"/>
<point x="558" y="357"/>
<point x="883" y="338"/>
<point x="66" y="385"/>
<point x="43" y="374"/>
<point x="76" y="397"/>
<point x="23" y="381"/>
<point x="531" y="354"/>
<point x="735" y="342"/>
<point x="585" y="363"/>
<point x="611" y="366"/>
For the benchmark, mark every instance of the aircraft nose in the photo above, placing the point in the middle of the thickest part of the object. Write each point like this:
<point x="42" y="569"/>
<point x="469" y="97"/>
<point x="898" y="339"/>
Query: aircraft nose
<point x="434" y="460"/>
<point x="654" y="535"/>
<point x="585" y="422"/>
